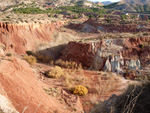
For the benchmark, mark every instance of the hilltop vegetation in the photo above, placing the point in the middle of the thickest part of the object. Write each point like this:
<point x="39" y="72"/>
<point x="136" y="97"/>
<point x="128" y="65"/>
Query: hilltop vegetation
<point x="73" y="9"/>
<point x="124" y="5"/>
<point x="34" y="8"/>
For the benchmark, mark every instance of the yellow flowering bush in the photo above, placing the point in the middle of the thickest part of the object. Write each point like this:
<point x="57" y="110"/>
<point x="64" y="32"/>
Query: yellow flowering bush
<point x="80" y="90"/>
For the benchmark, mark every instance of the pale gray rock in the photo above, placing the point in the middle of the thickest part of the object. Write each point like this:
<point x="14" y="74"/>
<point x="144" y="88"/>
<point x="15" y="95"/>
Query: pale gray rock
<point x="107" y="67"/>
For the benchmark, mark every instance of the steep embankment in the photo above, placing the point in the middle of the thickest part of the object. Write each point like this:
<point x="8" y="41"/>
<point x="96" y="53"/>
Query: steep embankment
<point x="19" y="38"/>
<point x="110" y="54"/>
<point x="24" y="90"/>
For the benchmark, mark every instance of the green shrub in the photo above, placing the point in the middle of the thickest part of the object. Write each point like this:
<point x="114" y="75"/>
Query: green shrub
<point x="30" y="59"/>
<point x="76" y="17"/>
<point x="29" y="10"/>
<point x="123" y="17"/>
<point x="91" y="16"/>
<point x="133" y="16"/>
<point x="145" y="33"/>
<point x="141" y="45"/>
<point x="56" y="72"/>
<point x="9" y="54"/>
<point x="80" y="90"/>
<point x="29" y="52"/>
<point x="108" y="19"/>
<point x="101" y="15"/>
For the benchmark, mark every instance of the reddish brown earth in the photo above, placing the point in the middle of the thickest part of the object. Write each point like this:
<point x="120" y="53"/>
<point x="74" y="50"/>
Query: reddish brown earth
<point x="25" y="90"/>
<point x="19" y="38"/>
<point x="92" y="79"/>
<point x="24" y="87"/>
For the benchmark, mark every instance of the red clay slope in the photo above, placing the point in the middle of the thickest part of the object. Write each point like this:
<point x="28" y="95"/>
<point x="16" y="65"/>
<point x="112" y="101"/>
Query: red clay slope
<point x="24" y="89"/>
<point x="19" y="38"/>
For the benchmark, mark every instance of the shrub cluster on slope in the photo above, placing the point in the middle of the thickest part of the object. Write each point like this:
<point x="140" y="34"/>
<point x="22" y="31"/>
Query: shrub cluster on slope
<point x="29" y="10"/>
<point x="79" y="9"/>
<point x="59" y="10"/>
<point x="67" y="64"/>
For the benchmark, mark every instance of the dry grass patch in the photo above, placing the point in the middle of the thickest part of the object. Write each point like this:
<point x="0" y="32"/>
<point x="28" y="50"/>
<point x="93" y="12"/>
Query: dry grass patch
<point x="94" y="99"/>
<point x="56" y="72"/>
<point x="136" y="99"/>
<point x="74" y="77"/>
<point x="105" y="85"/>
<point x="30" y="59"/>
<point x="68" y="64"/>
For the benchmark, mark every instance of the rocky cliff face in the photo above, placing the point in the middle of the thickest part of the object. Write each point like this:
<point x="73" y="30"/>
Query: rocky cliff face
<point x="110" y="54"/>
<point x="22" y="37"/>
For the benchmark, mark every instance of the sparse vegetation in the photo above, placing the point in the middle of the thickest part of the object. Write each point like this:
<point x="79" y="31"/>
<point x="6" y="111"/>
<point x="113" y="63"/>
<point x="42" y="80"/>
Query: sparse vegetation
<point x="52" y="91"/>
<point x="136" y="99"/>
<point x="101" y="15"/>
<point x="67" y="64"/>
<point x="71" y="79"/>
<point x="145" y="33"/>
<point x="103" y="87"/>
<point x="123" y="17"/>
<point x="108" y="19"/>
<point x="94" y="99"/>
<point x="111" y="5"/>
<point x="141" y="45"/>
